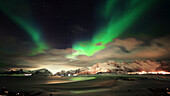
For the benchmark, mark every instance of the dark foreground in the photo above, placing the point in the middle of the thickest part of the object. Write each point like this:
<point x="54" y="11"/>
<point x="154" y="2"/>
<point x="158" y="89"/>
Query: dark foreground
<point x="127" y="85"/>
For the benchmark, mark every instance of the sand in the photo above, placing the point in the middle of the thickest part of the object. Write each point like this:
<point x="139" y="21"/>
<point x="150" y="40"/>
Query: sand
<point x="98" y="86"/>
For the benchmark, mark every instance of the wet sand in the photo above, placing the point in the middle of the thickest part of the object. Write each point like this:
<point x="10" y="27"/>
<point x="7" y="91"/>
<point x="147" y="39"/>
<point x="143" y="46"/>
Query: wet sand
<point x="107" y="87"/>
<point x="82" y="86"/>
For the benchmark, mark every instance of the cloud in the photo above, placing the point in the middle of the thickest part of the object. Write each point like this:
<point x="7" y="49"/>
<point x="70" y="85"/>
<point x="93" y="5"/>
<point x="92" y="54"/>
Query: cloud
<point x="133" y="48"/>
<point x="128" y="49"/>
<point x="53" y="59"/>
<point x="121" y="49"/>
<point x="128" y="43"/>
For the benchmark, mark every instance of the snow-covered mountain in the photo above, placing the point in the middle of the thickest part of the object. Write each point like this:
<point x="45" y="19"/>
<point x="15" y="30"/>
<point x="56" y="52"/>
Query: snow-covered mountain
<point x="124" y="67"/>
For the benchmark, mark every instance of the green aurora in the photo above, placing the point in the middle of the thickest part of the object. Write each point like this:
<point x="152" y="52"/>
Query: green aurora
<point x="23" y="19"/>
<point x="116" y="24"/>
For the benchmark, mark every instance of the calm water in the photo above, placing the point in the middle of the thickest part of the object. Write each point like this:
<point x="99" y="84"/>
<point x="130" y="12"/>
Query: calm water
<point x="29" y="83"/>
<point x="97" y="87"/>
<point x="43" y="84"/>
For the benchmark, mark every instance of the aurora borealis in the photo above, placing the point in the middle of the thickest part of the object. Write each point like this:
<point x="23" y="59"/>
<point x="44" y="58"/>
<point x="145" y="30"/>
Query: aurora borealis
<point x="25" y="21"/>
<point x="84" y="47"/>
<point x="113" y="27"/>
<point x="67" y="34"/>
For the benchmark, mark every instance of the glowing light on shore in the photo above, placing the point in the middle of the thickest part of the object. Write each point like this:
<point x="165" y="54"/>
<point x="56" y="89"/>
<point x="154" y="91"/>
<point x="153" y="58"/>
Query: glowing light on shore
<point x="152" y="72"/>
<point x="163" y="72"/>
<point x="143" y="72"/>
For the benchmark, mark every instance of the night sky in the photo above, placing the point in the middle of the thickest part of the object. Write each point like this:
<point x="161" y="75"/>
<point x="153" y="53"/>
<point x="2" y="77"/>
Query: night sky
<point x="46" y="33"/>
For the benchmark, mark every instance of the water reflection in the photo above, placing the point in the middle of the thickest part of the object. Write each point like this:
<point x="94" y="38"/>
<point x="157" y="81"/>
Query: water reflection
<point x="56" y="81"/>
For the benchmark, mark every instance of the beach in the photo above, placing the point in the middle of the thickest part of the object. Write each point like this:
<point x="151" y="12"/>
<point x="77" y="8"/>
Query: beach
<point x="85" y="86"/>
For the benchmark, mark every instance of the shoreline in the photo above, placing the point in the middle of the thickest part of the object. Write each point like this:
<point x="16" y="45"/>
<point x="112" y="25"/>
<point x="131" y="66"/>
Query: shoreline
<point x="83" y="86"/>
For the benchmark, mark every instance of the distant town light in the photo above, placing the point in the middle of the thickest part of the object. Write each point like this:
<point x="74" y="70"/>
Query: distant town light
<point x="162" y="72"/>
<point x="153" y="72"/>
<point x="27" y="74"/>
<point x="69" y="74"/>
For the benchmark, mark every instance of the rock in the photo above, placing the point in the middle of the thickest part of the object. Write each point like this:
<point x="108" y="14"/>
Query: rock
<point x="122" y="68"/>
<point x="164" y="66"/>
<point x="27" y="71"/>
<point x="42" y="72"/>
<point x="119" y="67"/>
